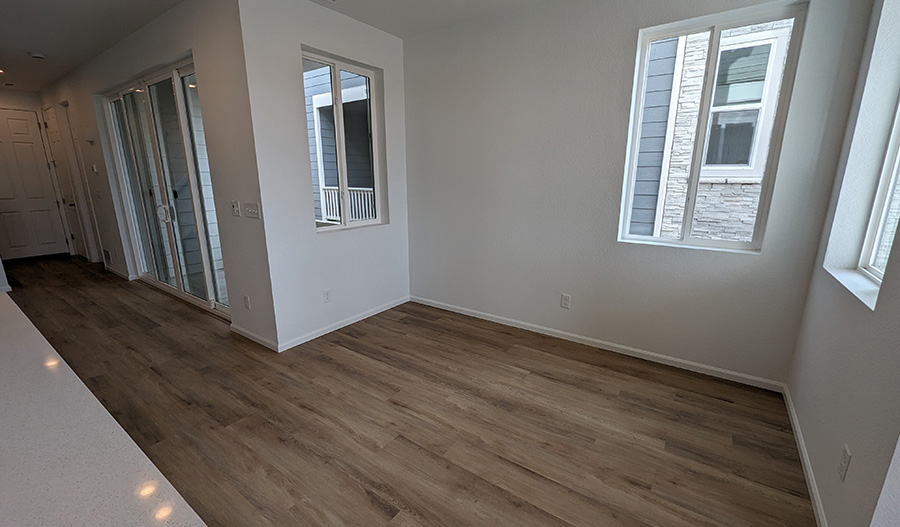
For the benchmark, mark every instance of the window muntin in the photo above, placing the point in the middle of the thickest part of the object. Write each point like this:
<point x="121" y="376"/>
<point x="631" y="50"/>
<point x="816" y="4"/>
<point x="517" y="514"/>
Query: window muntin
<point x="342" y="142"/>
<point x="705" y="185"/>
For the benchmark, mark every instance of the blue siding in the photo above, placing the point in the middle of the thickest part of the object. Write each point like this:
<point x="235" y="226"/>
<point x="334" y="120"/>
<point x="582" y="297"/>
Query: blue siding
<point x="657" y="96"/>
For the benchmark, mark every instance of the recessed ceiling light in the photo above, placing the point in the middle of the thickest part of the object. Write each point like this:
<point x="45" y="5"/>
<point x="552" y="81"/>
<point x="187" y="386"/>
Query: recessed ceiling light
<point x="1" y="71"/>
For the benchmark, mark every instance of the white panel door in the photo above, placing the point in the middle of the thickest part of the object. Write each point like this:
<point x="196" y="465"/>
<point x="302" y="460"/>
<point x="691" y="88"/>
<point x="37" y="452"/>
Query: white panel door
<point x="30" y="223"/>
<point x="64" y="178"/>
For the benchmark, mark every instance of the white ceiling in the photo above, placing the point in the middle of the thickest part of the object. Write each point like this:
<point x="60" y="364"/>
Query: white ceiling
<point x="71" y="32"/>
<point x="406" y="18"/>
<point x="68" y="32"/>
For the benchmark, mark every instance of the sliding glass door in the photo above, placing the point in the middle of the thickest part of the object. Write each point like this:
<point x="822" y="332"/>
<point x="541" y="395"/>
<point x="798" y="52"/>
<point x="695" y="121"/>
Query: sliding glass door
<point x="162" y="148"/>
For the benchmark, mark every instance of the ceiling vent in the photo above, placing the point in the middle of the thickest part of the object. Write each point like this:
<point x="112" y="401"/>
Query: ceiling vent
<point x="37" y="55"/>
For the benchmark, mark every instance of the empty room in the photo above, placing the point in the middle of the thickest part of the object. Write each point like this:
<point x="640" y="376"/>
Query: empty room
<point x="418" y="263"/>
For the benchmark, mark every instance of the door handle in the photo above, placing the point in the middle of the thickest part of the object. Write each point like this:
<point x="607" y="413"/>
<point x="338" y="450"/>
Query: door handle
<point x="71" y="205"/>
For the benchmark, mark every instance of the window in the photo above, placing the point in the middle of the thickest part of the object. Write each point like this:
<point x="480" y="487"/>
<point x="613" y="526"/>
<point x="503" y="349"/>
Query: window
<point x="705" y="129"/>
<point x="868" y="205"/>
<point x="345" y="148"/>
<point x="885" y="212"/>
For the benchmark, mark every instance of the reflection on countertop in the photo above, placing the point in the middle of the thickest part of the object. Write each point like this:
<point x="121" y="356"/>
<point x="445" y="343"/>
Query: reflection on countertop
<point x="63" y="459"/>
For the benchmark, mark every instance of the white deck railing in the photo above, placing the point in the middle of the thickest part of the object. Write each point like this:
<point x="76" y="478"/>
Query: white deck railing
<point x="362" y="204"/>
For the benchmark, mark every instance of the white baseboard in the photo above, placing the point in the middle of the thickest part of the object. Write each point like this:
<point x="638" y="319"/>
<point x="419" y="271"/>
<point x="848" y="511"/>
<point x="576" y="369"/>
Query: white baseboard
<point x="339" y="324"/>
<point x="814" y="495"/>
<point x="697" y="367"/>
<point x="271" y="344"/>
<point x="120" y="274"/>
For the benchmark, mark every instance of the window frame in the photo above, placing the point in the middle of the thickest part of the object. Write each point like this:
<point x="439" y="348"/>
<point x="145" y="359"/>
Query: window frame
<point x="885" y="194"/>
<point x="377" y="142"/>
<point x="715" y="24"/>
<point x="765" y="120"/>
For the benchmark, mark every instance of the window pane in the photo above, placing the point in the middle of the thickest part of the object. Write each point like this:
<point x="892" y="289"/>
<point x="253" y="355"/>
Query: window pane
<point x="134" y="187"/>
<point x="322" y="142"/>
<point x="729" y="190"/>
<point x="675" y="72"/>
<point x="742" y="75"/>
<point x="731" y="137"/>
<point x="140" y="132"/>
<point x="201" y="160"/>
<point x="178" y="186"/>
<point x="356" y="101"/>
<point x="888" y="228"/>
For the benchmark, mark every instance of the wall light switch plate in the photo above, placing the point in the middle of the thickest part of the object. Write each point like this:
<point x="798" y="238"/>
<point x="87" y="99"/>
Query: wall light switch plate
<point x="565" y="301"/>
<point x="236" y="208"/>
<point x="251" y="210"/>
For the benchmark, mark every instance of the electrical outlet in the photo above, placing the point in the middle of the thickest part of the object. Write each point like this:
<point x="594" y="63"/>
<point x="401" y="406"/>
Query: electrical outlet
<point x="247" y="302"/>
<point x="236" y="208"/>
<point x="565" y="301"/>
<point x="326" y="295"/>
<point x="845" y="463"/>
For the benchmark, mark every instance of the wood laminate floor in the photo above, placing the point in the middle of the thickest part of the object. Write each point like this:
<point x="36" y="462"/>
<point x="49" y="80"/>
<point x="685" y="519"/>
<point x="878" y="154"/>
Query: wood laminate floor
<point x="416" y="417"/>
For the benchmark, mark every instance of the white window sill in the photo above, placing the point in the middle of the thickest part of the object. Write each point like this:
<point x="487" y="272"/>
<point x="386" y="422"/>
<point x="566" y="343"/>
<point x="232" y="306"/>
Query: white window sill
<point x="732" y="180"/>
<point x="696" y="244"/>
<point x="859" y="283"/>
<point x="351" y="226"/>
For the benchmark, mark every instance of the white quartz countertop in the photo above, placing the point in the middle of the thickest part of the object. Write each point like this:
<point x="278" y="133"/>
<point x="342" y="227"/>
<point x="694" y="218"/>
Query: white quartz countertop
<point x="64" y="460"/>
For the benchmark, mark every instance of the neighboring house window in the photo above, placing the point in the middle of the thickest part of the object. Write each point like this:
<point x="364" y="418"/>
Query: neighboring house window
<point x="885" y="212"/>
<point x="345" y="146"/>
<point x="705" y="129"/>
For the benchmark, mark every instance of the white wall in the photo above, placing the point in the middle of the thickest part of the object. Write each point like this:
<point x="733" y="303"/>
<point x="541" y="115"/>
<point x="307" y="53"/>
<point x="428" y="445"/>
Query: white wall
<point x="210" y="29"/>
<point x="366" y="268"/>
<point x="517" y="136"/>
<point x="888" y="510"/>
<point x="844" y="379"/>
<point x="20" y="100"/>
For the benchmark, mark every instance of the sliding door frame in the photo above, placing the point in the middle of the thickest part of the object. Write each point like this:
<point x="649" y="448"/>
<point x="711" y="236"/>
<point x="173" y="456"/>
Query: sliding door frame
<point x="175" y="74"/>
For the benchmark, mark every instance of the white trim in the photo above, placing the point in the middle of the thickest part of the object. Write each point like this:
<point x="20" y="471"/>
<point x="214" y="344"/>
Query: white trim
<point x="271" y="344"/>
<point x="5" y="289"/>
<point x="715" y="24"/>
<point x="622" y="349"/>
<point x="815" y="497"/>
<point x="120" y="274"/>
<point x="337" y="325"/>
<point x="370" y="91"/>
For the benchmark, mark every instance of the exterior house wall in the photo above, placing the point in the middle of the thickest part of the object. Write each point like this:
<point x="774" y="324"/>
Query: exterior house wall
<point x="687" y="112"/>
<point x="654" y="125"/>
